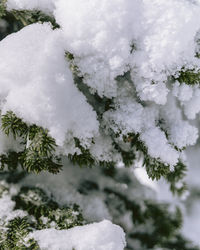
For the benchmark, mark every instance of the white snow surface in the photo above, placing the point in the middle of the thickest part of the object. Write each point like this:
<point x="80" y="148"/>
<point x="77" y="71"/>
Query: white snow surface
<point x="166" y="45"/>
<point x="43" y="5"/>
<point x="158" y="146"/>
<point x="99" y="34"/>
<point x="97" y="236"/>
<point x="37" y="85"/>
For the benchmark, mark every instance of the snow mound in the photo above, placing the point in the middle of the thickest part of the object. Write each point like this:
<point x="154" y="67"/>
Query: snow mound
<point x="97" y="236"/>
<point x="37" y="84"/>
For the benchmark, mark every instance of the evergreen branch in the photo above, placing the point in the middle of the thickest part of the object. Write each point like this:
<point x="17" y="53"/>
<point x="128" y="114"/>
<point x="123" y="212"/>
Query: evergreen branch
<point x="46" y="211"/>
<point x="43" y="213"/>
<point x="165" y="225"/>
<point x="15" y="235"/>
<point x="2" y="8"/>
<point x="10" y="160"/>
<point x="39" y="154"/>
<point x="157" y="169"/>
<point x="188" y="76"/>
<point x="82" y="159"/>
<point x="11" y="124"/>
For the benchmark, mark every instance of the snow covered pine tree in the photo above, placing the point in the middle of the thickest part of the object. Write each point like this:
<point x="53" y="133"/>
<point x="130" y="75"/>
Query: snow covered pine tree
<point x="113" y="87"/>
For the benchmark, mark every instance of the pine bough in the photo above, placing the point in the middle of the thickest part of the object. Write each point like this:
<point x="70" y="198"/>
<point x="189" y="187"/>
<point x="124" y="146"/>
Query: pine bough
<point x="89" y="82"/>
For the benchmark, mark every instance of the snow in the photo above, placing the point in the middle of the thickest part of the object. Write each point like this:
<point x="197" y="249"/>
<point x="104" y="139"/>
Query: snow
<point x="182" y="91"/>
<point x="97" y="236"/>
<point x="127" y="118"/>
<point x="102" y="149"/>
<point x="99" y="34"/>
<point x="43" y="5"/>
<point x="158" y="146"/>
<point x="39" y="87"/>
<point x="143" y="178"/>
<point x="181" y="132"/>
<point x="7" y="205"/>
<point x="166" y="45"/>
<point x="192" y="107"/>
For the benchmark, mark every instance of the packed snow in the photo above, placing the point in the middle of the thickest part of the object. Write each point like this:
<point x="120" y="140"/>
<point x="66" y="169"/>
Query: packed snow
<point x="39" y="87"/>
<point x="99" y="236"/>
